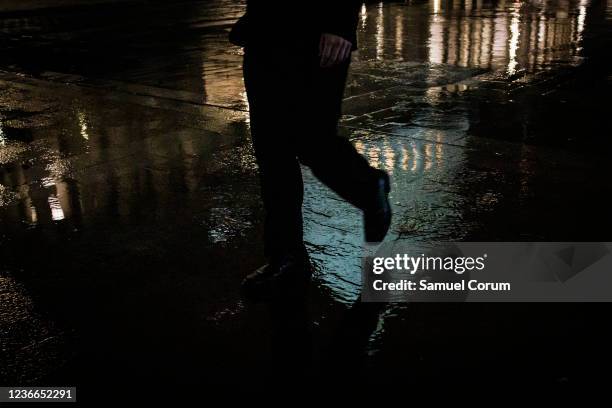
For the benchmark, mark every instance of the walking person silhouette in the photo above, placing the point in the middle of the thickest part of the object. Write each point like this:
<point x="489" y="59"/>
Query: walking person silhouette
<point x="295" y="68"/>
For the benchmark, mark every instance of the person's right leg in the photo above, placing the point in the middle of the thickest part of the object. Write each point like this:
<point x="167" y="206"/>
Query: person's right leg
<point x="333" y="158"/>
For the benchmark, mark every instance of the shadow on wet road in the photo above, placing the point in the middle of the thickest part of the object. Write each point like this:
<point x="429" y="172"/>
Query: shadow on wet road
<point x="129" y="206"/>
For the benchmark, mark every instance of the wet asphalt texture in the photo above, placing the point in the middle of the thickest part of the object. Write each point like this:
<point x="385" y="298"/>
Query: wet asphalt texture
<point x="130" y="212"/>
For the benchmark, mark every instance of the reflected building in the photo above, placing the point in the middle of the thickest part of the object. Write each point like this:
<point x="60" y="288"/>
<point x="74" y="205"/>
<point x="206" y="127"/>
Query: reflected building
<point x="506" y="41"/>
<point x="481" y="34"/>
<point x="99" y="156"/>
<point x="104" y="146"/>
<point x="115" y="163"/>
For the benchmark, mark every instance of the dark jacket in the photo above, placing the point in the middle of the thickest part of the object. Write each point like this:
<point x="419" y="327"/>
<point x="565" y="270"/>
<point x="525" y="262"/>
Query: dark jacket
<point x="293" y="21"/>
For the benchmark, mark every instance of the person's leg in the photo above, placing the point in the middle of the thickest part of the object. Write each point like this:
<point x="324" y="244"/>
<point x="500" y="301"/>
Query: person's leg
<point x="271" y="85"/>
<point x="266" y="83"/>
<point x="294" y="110"/>
<point x="332" y="158"/>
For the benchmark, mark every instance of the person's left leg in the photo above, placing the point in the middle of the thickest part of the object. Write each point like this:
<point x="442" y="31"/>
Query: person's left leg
<point x="270" y="87"/>
<point x="271" y="121"/>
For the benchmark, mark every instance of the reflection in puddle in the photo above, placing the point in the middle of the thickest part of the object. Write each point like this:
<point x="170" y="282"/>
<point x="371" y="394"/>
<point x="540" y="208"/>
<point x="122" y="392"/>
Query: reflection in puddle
<point x="2" y="136"/>
<point x="484" y="34"/>
<point x="138" y="178"/>
<point x="83" y="125"/>
<point x="57" y="214"/>
<point x="508" y="36"/>
<point x="425" y="124"/>
<point x="29" y="340"/>
<point x="150" y="146"/>
<point x="424" y="203"/>
<point x="403" y="155"/>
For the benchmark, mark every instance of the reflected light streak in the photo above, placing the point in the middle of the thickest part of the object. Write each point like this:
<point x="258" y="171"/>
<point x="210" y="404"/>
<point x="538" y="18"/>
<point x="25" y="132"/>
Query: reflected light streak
<point x="428" y="156"/>
<point x="436" y="6"/>
<point x="513" y="43"/>
<point x="581" y="18"/>
<point x="83" y="125"/>
<point x="57" y="213"/>
<point x="374" y="156"/>
<point x="416" y="157"/>
<point x="399" y="35"/>
<point x="433" y="94"/>
<point x="245" y="100"/>
<point x="389" y="156"/>
<point x="439" y="149"/>
<point x="2" y="136"/>
<point x="364" y="15"/>
<point x="465" y="44"/>
<point x="380" y="33"/>
<point x="542" y="39"/>
<point x="47" y="182"/>
<point x="499" y="47"/>
<point x="533" y="40"/>
<point x="485" y="45"/>
<point x="550" y="39"/>
<point x="436" y="36"/>
<point x="405" y="158"/>
<point x="475" y="43"/>
<point x="359" y="147"/>
<point x="452" y="45"/>
<point x="32" y="215"/>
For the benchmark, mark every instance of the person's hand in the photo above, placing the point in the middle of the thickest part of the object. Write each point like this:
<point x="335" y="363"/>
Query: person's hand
<point x="333" y="49"/>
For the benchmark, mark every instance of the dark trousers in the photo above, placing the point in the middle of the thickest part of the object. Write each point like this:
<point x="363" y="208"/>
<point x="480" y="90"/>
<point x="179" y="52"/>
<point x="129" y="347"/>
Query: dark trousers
<point x="294" y="110"/>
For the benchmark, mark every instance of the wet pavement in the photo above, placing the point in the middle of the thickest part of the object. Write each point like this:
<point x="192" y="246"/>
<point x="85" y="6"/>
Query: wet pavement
<point x="129" y="207"/>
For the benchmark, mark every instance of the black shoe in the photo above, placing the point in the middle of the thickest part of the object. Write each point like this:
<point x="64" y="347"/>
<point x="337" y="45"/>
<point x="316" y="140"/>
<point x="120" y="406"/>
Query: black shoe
<point x="288" y="275"/>
<point x="377" y="218"/>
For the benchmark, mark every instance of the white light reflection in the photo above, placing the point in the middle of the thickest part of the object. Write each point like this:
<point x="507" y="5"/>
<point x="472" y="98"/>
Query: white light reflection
<point x="83" y="125"/>
<point x="389" y="156"/>
<point x="32" y="215"/>
<point x="244" y="98"/>
<point x="542" y="38"/>
<point x="581" y="17"/>
<point x="2" y="136"/>
<point x="380" y="32"/>
<point x="485" y="47"/>
<point x="359" y="146"/>
<point x="364" y="15"/>
<point x="57" y="213"/>
<point x="405" y="158"/>
<point x="399" y="36"/>
<point x="436" y="6"/>
<point x="465" y="44"/>
<point x="416" y="158"/>
<point x="436" y="39"/>
<point x="513" y="43"/>
<point x="47" y="182"/>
